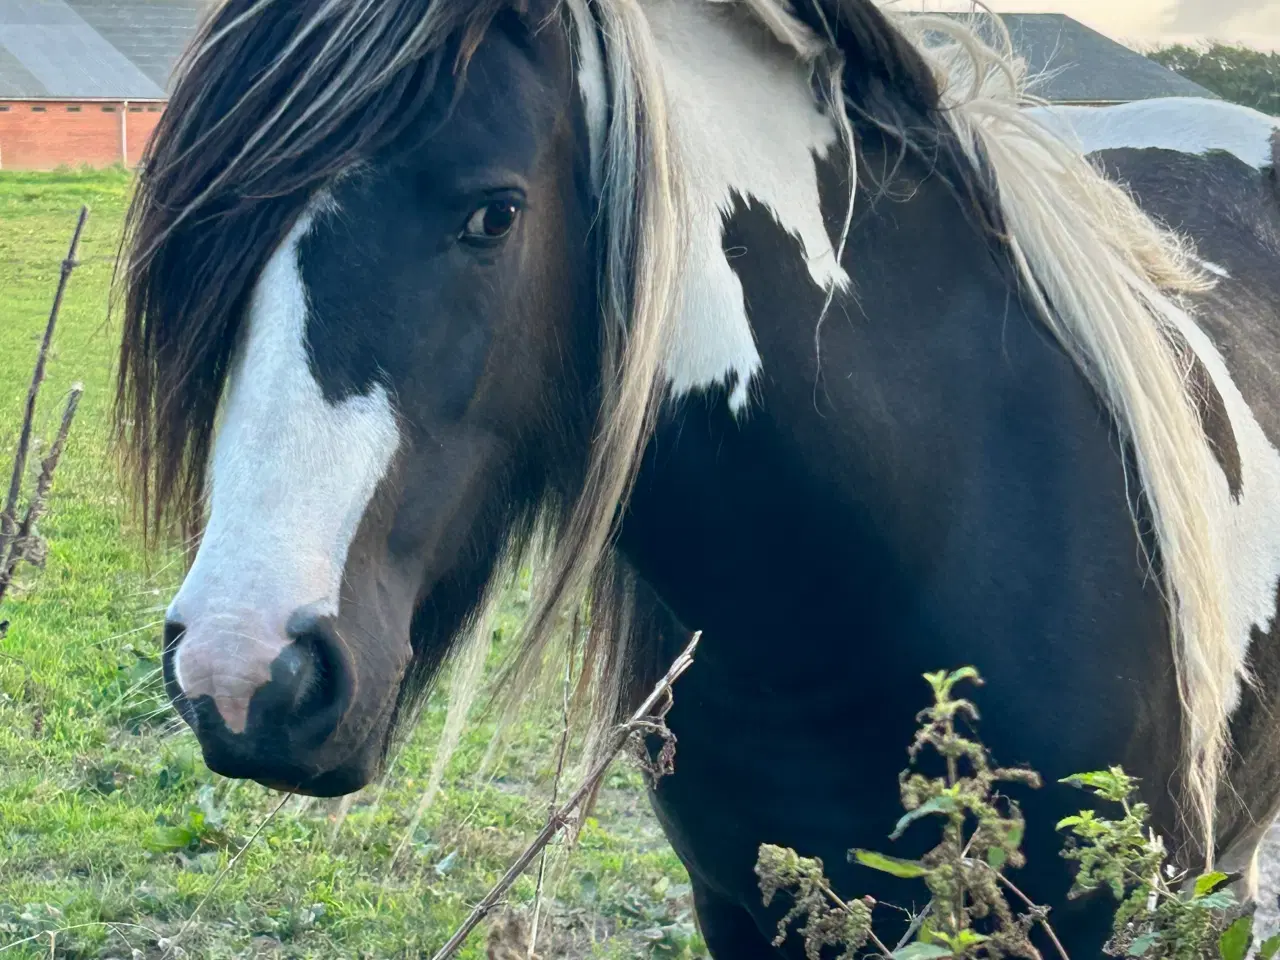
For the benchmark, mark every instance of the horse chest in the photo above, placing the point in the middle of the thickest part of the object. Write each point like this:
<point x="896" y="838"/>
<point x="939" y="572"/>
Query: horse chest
<point x="793" y="724"/>
<point x="764" y="756"/>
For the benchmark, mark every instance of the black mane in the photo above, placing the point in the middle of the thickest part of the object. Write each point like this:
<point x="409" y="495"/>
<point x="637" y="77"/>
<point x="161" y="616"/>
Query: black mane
<point x="890" y="86"/>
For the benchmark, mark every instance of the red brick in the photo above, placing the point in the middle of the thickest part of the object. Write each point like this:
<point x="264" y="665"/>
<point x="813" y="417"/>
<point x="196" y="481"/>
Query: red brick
<point x="41" y="135"/>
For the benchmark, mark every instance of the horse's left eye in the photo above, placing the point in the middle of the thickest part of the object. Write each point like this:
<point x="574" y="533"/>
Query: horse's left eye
<point x="492" y="222"/>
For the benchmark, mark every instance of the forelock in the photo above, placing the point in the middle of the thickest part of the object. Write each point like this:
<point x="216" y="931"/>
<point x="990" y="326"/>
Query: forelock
<point x="273" y="100"/>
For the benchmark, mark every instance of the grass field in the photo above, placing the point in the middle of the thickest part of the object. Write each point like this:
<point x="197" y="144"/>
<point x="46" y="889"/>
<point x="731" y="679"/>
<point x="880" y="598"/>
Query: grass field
<point x="111" y="829"/>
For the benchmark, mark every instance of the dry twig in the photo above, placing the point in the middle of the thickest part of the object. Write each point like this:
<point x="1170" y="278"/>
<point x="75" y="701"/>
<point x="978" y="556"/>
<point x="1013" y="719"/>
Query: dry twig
<point x="555" y="786"/>
<point x="9" y="515"/>
<point x="171" y="945"/>
<point x="652" y="711"/>
<point x="17" y="540"/>
<point x="23" y="544"/>
<point x="1038" y="912"/>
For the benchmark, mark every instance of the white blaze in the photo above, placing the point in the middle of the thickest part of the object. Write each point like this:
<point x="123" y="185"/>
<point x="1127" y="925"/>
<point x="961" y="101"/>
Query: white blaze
<point x="291" y="478"/>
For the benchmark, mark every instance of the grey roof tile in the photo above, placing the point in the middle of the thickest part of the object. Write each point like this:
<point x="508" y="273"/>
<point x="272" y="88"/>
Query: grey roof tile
<point x="16" y="80"/>
<point x="92" y="48"/>
<point x="151" y="33"/>
<point x="1078" y="64"/>
<point x="65" y="55"/>
<point x="127" y="49"/>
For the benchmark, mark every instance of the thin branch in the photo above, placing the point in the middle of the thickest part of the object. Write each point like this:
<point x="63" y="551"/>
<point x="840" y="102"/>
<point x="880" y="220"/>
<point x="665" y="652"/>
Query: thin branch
<point x="835" y="898"/>
<point x="555" y="786"/>
<point x="9" y="515"/>
<point x="914" y="927"/>
<point x="20" y="543"/>
<point x="173" y="942"/>
<point x="1034" y="907"/>
<point x="655" y="708"/>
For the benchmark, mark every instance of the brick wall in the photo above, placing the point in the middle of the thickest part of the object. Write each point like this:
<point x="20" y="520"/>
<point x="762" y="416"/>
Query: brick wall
<point x="50" y="133"/>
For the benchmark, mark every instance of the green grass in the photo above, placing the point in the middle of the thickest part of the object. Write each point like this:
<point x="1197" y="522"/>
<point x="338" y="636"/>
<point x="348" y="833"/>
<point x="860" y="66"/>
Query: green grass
<point x="98" y="783"/>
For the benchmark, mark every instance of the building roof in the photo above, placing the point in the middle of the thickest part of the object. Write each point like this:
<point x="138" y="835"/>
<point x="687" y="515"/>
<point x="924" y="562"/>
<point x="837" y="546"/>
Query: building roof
<point x="1076" y="64"/>
<point x="125" y="49"/>
<point x="82" y="49"/>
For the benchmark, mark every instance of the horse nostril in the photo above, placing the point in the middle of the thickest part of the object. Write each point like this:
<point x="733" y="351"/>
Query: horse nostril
<point x="293" y="670"/>
<point x="173" y="631"/>
<point x="313" y="676"/>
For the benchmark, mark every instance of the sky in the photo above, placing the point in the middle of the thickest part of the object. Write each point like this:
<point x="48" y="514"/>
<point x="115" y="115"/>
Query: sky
<point x="1254" y="22"/>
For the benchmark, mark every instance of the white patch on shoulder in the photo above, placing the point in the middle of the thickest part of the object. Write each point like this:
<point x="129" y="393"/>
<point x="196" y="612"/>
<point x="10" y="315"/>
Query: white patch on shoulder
<point x="1251" y="535"/>
<point x="744" y="122"/>
<point x="291" y="476"/>
<point x="1185" y="124"/>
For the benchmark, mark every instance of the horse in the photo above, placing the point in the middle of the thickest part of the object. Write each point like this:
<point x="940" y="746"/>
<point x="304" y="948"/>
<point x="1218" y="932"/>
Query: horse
<point x="785" y="322"/>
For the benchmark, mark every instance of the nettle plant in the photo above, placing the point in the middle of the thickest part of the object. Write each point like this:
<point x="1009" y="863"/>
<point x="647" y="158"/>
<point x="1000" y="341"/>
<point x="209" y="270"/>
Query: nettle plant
<point x="1162" y="913"/>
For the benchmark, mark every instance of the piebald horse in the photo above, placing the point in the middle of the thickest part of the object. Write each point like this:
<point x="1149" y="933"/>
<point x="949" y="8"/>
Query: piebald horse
<point x="782" y="321"/>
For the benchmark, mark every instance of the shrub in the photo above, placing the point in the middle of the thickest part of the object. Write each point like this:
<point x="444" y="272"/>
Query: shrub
<point x="1161" y="914"/>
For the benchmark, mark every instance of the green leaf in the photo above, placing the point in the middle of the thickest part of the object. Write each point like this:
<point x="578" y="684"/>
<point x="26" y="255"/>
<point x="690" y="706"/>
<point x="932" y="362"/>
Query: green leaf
<point x="1235" y="940"/>
<point x="996" y="857"/>
<point x="1222" y="900"/>
<point x="1016" y="829"/>
<point x="943" y="804"/>
<point x="1209" y="882"/>
<point x="929" y="933"/>
<point x="906" y="869"/>
<point x="1098" y="780"/>
<point x="1072" y="821"/>
<point x="921" y="951"/>
<point x="1113" y="784"/>
<point x="1142" y="944"/>
<point x="167" y="839"/>
<point x="1270" y="947"/>
<point x="964" y="673"/>
<point x="968" y="938"/>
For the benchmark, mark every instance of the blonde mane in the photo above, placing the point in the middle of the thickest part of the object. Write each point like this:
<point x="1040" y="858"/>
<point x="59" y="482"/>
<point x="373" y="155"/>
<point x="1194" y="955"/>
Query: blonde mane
<point x="1108" y="283"/>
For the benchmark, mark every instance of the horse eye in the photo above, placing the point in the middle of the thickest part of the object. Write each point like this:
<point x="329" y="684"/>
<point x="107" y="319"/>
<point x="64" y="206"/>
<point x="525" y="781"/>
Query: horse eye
<point x="492" y="222"/>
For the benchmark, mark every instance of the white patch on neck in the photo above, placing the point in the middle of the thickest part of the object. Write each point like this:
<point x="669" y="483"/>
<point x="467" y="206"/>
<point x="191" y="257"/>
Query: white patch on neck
<point x="1185" y="124"/>
<point x="291" y="477"/>
<point x="743" y="121"/>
